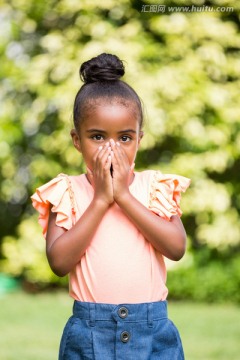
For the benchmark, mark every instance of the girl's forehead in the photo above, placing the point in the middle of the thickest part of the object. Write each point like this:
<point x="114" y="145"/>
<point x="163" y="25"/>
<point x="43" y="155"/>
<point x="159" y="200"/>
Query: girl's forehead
<point x="109" y="114"/>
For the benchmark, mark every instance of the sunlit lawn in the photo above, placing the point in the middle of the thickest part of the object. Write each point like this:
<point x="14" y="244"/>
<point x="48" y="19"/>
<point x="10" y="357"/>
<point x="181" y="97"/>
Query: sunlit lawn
<point x="31" y="327"/>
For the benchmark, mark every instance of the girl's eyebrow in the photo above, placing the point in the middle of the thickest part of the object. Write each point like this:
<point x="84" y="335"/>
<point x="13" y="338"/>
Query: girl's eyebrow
<point x="127" y="131"/>
<point x="96" y="130"/>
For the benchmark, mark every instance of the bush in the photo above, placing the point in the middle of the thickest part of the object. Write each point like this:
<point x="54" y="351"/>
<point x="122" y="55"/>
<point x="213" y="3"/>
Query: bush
<point x="218" y="281"/>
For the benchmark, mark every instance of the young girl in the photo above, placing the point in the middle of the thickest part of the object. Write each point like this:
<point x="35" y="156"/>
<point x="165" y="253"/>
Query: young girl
<point x="111" y="228"/>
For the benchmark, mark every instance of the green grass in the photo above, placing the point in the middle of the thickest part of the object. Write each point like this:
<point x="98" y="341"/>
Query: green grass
<point x="31" y="327"/>
<point x="209" y="332"/>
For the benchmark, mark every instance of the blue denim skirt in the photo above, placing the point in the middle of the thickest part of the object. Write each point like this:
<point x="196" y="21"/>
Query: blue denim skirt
<point x="120" y="332"/>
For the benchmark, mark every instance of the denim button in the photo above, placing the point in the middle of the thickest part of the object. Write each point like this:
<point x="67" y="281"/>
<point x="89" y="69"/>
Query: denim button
<point x="123" y="312"/>
<point x="125" y="336"/>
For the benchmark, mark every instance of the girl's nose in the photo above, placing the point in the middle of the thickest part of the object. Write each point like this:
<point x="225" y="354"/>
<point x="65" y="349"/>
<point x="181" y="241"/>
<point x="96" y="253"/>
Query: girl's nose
<point x="112" y="142"/>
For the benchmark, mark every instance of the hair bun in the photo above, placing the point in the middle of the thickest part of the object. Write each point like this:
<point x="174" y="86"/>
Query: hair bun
<point x="104" y="67"/>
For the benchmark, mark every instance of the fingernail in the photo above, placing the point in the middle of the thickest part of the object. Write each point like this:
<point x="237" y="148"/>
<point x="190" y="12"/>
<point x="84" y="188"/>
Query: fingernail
<point x="118" y="144"/>
<point x="107" y="144"/>
<point x="112" y="142"/>
<point x="100" y="148"/>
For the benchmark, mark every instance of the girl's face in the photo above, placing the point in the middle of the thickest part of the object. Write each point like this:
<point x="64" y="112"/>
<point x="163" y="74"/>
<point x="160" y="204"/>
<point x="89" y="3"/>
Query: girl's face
<point x="105" y="122"/>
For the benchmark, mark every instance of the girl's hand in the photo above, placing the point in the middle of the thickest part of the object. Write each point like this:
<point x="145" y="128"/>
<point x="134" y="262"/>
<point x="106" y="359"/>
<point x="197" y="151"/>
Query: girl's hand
<point x="100" y="176"/>
<point x="122" y="172"/>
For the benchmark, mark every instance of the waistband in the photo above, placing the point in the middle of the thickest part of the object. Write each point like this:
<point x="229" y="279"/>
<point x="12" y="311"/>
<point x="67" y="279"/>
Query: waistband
<point x="121" y="312"/>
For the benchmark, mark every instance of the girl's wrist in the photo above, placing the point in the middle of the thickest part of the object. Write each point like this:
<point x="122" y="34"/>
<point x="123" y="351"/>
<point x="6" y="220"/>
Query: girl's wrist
<point x="123" y="198"/>
<point x="100" y="203"/>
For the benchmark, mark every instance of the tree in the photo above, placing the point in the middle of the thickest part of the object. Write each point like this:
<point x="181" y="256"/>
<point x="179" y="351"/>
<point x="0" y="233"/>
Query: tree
<point x="185" y="66"/>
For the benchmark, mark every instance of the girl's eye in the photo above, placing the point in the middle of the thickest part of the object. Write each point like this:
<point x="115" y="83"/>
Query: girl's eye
<point x="97" y="137"/>
<point x="125" y="138"/>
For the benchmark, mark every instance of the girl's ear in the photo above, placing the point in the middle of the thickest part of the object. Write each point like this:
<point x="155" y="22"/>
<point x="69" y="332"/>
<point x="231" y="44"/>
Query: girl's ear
<point x="141" y="133"/>
<point x="76" y="140"/>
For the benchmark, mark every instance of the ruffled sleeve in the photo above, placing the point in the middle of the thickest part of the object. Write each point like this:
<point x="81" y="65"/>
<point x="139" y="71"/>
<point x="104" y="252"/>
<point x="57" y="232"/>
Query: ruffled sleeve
<point x="165" y="194"/>
<point x="57" y="193"/>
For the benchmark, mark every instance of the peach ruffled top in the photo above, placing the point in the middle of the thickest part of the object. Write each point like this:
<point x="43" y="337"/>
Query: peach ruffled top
<point x="120" y="265"/>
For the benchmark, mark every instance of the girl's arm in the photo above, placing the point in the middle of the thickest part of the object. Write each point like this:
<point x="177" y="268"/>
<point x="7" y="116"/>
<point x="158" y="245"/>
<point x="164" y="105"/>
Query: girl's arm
<point x="65" y="248"/>
<point x="168" y="237"/>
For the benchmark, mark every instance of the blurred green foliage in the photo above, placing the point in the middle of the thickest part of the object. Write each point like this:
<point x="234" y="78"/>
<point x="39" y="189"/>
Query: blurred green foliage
<point x="186" y="68"/>
<point x="216" y="282"/>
